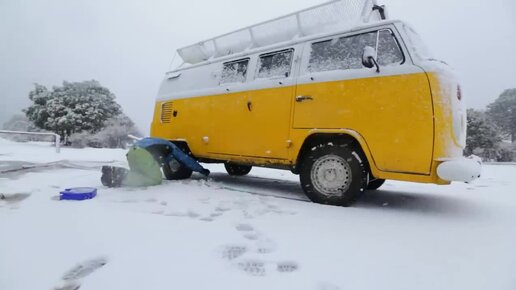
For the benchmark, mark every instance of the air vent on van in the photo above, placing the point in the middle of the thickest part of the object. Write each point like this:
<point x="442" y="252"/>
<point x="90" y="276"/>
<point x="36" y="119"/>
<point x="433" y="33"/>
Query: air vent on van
<point x="166" y="112"/>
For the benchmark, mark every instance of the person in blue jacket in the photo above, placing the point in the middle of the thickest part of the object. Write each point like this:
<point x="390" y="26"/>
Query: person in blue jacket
<point x="146" y="159"/>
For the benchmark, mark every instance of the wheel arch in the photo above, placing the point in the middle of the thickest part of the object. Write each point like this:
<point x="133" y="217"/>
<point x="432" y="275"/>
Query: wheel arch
<point x="183" y="145"/>
<point x="338" y="138"/>
<point x="159" y="151"/>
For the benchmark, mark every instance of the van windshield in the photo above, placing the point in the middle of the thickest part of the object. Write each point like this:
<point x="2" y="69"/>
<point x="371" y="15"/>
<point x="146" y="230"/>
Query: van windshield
<point x="416" y="44"/>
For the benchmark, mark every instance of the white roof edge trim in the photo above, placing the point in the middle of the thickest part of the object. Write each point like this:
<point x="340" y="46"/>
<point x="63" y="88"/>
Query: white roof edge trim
<point x="325" y="17"/>
<point x="280" y="45"/>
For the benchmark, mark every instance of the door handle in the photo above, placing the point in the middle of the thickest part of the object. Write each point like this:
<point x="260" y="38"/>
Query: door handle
<point x="300" y="99"/>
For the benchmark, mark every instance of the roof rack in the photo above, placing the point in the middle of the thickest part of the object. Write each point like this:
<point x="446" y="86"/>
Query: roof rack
<point x="327" y="17"/>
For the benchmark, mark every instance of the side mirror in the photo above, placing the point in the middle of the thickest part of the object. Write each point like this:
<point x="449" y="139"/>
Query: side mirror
<point x="368" y="58"/>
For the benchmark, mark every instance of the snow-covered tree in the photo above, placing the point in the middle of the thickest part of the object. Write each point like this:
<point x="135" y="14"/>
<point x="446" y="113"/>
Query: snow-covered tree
<point x="503" y="112"/>
<point x="114" y="135"/>
<point x="72" y="107"/>
<point x="116" y="131"/>
<point x="483" y="135"/>
<point x="38" y="111"/>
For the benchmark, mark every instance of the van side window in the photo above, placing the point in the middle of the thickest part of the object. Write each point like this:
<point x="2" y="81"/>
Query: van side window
<point x="275" y="64"/>
<point x="340" y="54"/>
<point x="234" y="72"/>
<point x="389" y="52"/>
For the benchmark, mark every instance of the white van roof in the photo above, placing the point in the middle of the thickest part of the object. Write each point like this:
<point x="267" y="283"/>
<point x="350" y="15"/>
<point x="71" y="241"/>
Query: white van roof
<point x="332" y="16"/>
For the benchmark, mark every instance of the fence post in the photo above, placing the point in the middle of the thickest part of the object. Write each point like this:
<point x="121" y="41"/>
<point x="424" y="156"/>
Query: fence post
<point x="58" y="143"/>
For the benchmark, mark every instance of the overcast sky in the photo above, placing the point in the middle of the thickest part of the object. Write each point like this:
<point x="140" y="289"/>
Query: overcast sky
<point x="128" y="45"/>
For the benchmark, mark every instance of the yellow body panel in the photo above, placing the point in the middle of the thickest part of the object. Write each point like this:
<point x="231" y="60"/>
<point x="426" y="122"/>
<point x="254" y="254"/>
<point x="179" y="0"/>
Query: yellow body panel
<point x="394" y="118"/>
<point x="252" y="123"/>
<point x="392" y="113"/>
<point x="190" y="124"/>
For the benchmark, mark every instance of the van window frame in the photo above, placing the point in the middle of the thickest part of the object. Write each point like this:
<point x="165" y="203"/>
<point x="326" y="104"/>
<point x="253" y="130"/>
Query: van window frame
<point x="291" y="66"/>
<point x="248" y="59"/>
<point x="337" y="36"/>
<point x="395" y="39"/>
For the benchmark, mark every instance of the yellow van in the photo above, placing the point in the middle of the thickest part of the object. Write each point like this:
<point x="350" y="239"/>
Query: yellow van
<point x="345" y="102"/>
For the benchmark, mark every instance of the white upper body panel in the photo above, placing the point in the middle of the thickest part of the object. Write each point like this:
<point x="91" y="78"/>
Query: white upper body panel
<point x="205" y="78"/>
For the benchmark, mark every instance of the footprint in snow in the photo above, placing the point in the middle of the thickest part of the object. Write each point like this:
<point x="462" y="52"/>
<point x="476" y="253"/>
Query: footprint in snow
<point x="232" y="252"/>
<point x="216" y="214"/>
<point x="175" y="214"/>
<point x="71" y="279"/>
<point x="222" y="208"/>
<point x="244" y="228"/>
<point x="129" y="201"/>
<point x="287" y="267"/>
<point x="249" y="233"/>
<point x="68" y="286"/>
<point x="190" y="214"/>
<point x="259" y="268"/>
<point x="211" y="217"/>
<point x="272" y="206"/>
<point x="251" y="236"/>
<point x="252" y="267"/>
<point x="84" y="269"/>
<point x="327" y="286"/>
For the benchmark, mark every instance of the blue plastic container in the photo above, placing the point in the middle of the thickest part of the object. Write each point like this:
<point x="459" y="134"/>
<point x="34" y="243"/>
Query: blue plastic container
<point x="79" y="193"/>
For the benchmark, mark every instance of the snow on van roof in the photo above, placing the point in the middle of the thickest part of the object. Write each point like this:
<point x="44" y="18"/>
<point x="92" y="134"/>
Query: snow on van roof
<point x="328" y="17"/>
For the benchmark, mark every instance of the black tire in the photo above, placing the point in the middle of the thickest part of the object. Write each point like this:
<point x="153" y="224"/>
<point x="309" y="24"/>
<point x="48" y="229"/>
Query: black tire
<point x="340" y="167"/>
<point x="375" y="184"/>
<point x="174" y="170"/>
<point x="237" y="170"/>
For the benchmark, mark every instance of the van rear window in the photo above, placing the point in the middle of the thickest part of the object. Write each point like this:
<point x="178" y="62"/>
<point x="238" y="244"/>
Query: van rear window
<point x="234" y="72"/>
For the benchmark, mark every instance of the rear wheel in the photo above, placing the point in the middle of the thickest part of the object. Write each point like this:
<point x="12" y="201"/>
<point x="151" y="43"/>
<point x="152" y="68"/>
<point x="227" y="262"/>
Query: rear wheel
<point x="375" y="184"/>
<point x="174" y="170"/>
<point x="334" y="175"/>
<point x="237" y="170"/>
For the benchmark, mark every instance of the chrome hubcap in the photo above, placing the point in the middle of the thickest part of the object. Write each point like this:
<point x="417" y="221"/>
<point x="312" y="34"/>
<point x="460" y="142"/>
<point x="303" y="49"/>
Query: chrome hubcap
<point x="331" y="175"/>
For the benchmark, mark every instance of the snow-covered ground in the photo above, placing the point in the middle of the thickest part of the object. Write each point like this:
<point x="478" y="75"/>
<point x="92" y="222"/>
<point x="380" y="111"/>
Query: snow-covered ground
<point x="255" y="232"/>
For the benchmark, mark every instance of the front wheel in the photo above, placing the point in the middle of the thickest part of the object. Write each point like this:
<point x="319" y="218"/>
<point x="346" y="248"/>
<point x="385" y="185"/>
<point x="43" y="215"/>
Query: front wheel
<point x="237" y="170"/>
<point x="333" y="175"/>
<point x="174" y="170"/>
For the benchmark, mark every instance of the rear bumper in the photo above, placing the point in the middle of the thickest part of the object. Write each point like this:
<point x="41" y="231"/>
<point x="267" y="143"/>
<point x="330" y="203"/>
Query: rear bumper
<point x="460" y="169"/>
